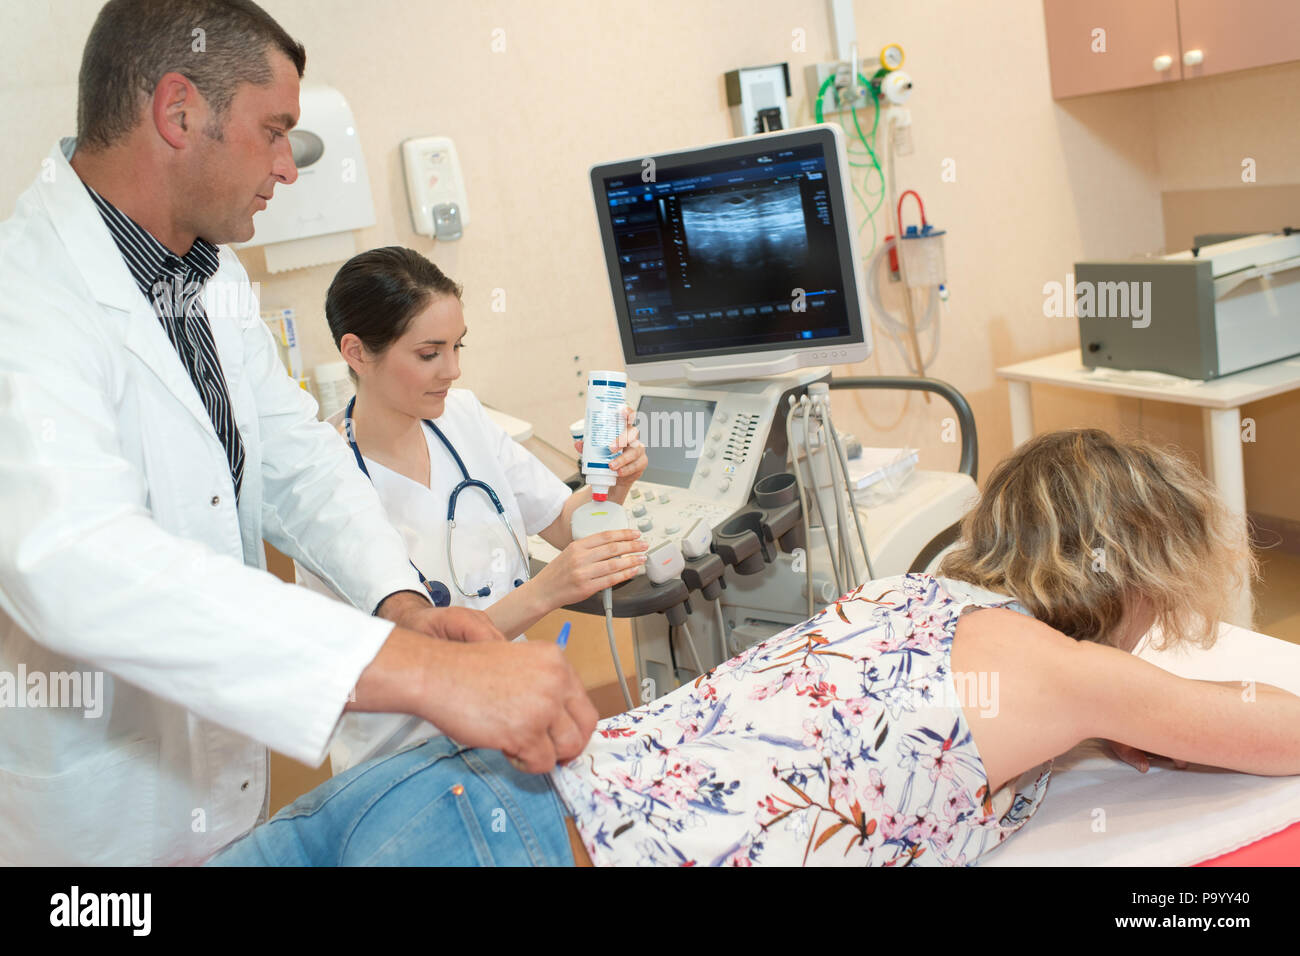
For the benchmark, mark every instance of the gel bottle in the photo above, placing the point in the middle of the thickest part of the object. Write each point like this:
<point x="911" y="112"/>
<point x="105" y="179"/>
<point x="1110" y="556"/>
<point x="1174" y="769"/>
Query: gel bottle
<point x="606" y="399"/>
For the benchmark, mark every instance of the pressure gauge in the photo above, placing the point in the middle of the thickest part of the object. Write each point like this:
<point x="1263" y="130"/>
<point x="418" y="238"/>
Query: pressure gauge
<point x="891" y="57"/>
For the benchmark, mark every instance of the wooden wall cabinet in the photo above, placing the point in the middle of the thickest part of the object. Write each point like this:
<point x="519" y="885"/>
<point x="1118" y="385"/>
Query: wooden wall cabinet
<point x="1238" y="34"/>
<point x="1136" y="32"/>
<point x="1094" y="46"/>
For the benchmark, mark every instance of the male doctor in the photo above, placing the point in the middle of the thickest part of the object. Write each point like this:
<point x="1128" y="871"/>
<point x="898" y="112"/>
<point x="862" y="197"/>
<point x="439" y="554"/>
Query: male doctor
<point x="149" y="441"/>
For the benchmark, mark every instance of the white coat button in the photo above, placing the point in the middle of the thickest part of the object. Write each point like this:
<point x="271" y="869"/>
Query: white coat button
<point x="216" y="500"/>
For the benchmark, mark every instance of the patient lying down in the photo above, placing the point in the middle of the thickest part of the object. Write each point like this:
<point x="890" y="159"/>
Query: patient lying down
<point x="912" y="722"/>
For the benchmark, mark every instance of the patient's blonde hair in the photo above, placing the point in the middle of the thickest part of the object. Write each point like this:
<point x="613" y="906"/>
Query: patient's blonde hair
<point x="1077" y="525"/>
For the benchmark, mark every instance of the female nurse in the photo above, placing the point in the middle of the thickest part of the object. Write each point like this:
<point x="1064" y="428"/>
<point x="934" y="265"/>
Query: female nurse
<point x="398" y="322"/>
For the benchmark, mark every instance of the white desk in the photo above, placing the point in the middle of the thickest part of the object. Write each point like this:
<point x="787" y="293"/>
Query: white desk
<point x="519" y="429"/>
<point x="1220" y="401"/>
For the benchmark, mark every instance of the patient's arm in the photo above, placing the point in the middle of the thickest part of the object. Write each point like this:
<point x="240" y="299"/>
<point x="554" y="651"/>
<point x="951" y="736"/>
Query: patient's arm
<point x="1140" y="759"/>
<point x="1127" y="699"/>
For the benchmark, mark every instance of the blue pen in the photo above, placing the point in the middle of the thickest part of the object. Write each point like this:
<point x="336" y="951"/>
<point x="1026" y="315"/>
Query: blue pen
<point x="563" y="639"/>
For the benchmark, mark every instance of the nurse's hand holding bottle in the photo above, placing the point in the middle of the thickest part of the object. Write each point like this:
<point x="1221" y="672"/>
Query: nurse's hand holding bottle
<point x="586" y="566"/>
<point x="630" y="464"/>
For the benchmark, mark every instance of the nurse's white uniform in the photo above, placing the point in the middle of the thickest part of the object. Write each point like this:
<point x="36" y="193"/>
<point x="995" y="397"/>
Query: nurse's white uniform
<point x="533" y="498"/>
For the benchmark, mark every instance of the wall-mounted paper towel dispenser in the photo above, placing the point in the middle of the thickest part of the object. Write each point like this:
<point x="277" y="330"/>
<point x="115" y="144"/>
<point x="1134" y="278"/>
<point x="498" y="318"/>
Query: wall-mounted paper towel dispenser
<point x="332" y="193"/>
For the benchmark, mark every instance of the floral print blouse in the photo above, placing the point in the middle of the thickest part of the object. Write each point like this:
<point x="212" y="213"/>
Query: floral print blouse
<point x="837" y="742"/>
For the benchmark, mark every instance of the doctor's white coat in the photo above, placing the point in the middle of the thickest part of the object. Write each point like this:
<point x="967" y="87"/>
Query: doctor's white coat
<point x="122" y="552"/>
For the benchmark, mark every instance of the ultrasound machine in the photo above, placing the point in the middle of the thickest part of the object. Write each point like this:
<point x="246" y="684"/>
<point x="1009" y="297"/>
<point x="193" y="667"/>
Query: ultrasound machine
<point x="736" y="281"/>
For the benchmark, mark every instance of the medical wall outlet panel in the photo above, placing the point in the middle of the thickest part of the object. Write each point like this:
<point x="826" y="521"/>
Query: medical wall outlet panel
<point x="854" y="83"/>
<point x="735" y="260"/>
<point x="332" y="192"/>
<point x="435" y="188"/>
<point x="757" y="96"/>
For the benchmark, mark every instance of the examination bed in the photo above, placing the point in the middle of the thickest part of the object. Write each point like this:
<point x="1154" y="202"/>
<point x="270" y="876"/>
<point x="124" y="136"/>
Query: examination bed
<point x="1100" y="811"/>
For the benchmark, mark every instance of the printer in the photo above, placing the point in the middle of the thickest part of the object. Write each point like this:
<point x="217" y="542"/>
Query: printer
<point x="1198" y="314"/>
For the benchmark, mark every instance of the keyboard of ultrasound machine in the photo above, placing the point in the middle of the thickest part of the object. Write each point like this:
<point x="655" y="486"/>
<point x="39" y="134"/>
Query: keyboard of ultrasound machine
<point x="662" y="514"/>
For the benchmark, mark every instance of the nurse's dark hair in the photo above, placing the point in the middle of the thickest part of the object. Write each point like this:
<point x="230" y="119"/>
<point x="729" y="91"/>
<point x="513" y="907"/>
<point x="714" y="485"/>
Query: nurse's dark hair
<point x="376" y="293"/>
<point x="217" y="44"/>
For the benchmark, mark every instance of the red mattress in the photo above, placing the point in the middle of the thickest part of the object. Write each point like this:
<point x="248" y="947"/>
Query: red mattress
<point x="1280" y="849"/>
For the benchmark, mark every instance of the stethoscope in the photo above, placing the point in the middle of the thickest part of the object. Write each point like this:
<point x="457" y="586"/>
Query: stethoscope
<point x="437" y="590"/>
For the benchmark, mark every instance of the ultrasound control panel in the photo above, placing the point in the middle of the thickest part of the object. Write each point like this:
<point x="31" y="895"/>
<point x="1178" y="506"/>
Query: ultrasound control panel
<point x="704" y="447"/>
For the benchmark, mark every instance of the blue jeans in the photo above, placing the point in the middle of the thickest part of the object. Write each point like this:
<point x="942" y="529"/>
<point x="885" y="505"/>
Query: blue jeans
<point x="435" y="804"/>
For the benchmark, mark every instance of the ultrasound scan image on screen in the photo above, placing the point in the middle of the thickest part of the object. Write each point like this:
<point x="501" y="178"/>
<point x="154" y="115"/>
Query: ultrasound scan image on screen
<point x="734" y="253"/>
<point x="744" y="236"/>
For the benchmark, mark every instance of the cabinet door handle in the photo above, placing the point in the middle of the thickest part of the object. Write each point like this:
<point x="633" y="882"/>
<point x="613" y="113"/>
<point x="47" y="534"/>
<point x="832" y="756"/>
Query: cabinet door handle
<point x="1163" y="62"/>
<point x="1193" y="58"/>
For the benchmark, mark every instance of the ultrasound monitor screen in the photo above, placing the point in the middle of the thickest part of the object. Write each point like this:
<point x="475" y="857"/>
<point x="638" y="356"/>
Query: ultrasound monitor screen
<point x="737" y="253"/>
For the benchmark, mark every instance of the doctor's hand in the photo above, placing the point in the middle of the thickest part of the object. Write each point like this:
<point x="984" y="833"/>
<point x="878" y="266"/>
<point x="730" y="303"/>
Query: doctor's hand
<point x="407" y="609"/>
<point x="1135" y="757"/>
<point x="522" y="699"/>
<point x="591" y="564"/>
